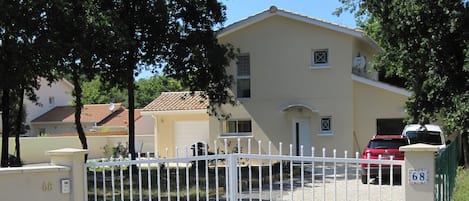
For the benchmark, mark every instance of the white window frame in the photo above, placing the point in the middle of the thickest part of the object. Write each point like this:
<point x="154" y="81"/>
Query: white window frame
<point x="323" y="131"/>
<point x="225" y="132"/>
<point x="243" y="77"/>
<point x="315" y="64"/>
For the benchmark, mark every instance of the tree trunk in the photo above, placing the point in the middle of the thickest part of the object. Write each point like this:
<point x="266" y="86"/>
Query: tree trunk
<point x="465" y="146"/>
<point x="78" y="107"/>
<point x="131" y="88"/>
<point x="19" y="123"/>
<point x="5" y="125"/>
<point x="131" y="63"/>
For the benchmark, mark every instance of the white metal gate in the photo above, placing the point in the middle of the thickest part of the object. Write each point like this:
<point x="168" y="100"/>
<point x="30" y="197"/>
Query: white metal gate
<point x="252" y="175"/>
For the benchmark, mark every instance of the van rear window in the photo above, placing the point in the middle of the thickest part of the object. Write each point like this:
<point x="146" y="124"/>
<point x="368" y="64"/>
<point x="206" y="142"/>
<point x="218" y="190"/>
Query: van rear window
<point x="427" y="137"/>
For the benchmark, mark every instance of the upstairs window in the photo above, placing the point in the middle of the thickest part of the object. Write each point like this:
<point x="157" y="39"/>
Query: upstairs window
<point x="237" y="128"/>
<point x="51" y="100"/>
<point x="320" y="58"/>
<point x="243" y="77"/>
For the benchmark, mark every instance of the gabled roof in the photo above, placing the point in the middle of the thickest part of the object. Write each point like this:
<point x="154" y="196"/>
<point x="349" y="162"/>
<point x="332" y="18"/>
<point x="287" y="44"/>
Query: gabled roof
<point x="178" y="101"/>
<point x="66" y="83"/>
<point x="63" y="82"/>
<point x="90" y="113"/>
<point x="274" y="11"/>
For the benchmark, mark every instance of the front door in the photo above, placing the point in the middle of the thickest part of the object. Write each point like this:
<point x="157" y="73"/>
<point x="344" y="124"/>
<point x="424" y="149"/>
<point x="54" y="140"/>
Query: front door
<point x="302" y="136"/>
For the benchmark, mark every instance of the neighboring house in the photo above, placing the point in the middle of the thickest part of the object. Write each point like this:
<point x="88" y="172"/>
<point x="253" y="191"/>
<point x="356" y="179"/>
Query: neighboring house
<point x="144" y="125"/>
<point x="298" y="80"/>
<point x="95" y="117"/>
<point x="49" y="96"/>
<point x="180" y="120"/>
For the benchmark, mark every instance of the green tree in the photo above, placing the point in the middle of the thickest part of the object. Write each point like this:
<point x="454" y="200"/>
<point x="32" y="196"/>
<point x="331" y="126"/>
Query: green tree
<point x="148" y="89"/>
<point x="96" y="92"/>
<point x="82" y="34"/>
<point x="26" y="53"/>
<point x="426" y="44"/>
<point x="116" y="39"/>
<point x="175" y="35"/>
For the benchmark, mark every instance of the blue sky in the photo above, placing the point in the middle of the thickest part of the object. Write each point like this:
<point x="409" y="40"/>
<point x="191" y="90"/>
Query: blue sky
<point x="322" y="9"/>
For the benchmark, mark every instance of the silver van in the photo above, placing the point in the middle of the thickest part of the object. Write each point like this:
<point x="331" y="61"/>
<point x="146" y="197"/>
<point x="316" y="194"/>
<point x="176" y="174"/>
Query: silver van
<point x="428" y="134"/>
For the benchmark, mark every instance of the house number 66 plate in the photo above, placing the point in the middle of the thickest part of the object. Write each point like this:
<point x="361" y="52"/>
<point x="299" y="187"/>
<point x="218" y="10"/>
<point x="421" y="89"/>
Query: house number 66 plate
<point x="418" y="176"/>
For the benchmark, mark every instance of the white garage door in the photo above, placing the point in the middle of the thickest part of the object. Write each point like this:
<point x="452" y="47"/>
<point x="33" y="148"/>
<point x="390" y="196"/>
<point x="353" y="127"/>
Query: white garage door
<point x="189" y="132"/>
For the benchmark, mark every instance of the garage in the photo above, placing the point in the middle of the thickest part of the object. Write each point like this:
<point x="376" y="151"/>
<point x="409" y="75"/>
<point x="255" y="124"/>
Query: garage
<point x="390" y="126"/>
<point x="188" y="133"/>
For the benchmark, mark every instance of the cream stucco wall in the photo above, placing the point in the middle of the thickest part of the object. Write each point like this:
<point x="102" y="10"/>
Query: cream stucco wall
<point x="371" y="103"/>
<point x="165" y="133"/>
<point x="144" y="126"/>
<point x="280" y="57"/>
<point x="364" y="49"/>
<point x="52" y="128"/>
<point x="33" y="183"/>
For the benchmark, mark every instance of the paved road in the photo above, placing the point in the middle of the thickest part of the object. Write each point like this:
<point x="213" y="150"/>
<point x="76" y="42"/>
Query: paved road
<point x="346" y="190"/>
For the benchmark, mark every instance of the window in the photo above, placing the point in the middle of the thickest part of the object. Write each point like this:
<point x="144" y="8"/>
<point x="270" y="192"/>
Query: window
<point x="326" y="126"/>
<point x="42" y="132"/>
<point x="237" y="128"/>
<point x="320" y="57"/>
<point x="243" y="77"/>
<point x="51" y="100"/>
<point x="427" y="137"/>
<point x="387" y="143"/>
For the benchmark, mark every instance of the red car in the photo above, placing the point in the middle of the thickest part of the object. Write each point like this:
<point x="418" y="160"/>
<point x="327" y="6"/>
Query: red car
<point x="386" y="146"/>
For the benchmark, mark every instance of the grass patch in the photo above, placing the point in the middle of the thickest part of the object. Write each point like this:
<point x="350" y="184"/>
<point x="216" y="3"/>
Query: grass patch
<point x="461" y="191"/>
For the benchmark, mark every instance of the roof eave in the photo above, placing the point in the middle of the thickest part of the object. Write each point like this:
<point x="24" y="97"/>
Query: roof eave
<point x="243" y="23"/>
<point x="382" y="85"/>
<point x="174" y="112"/>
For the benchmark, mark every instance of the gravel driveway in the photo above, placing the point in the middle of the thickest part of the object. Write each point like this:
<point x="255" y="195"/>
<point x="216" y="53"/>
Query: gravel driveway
<point x="350" y="189"/>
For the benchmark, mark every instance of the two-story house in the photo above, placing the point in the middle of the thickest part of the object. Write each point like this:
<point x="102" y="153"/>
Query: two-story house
<point x="49" y="96"/>
<point x="298" y="80"/>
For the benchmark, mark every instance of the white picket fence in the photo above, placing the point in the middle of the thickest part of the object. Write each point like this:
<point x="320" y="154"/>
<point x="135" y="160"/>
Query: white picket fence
<point x="238" y="176"/>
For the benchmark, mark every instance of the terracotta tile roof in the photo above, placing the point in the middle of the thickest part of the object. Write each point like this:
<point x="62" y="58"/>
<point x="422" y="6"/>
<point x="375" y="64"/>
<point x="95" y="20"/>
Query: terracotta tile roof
<point x="90" y="113"/>
<point x="119" y="118"/>
<point x="173" y="101"/>
<point x="59" y="113"/>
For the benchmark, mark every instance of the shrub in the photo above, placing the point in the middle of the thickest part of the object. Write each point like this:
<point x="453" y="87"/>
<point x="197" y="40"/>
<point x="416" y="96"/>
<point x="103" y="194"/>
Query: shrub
<point x="461" y="192"/>
<point x="118" y="151"/>
<point x="13" y="161"/>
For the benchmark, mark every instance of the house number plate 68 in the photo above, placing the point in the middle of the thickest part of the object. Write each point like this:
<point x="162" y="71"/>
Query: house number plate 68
<point x="418" y="176"/>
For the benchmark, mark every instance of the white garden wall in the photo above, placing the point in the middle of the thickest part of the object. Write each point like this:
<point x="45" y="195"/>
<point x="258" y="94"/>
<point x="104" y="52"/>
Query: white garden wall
<point x="33" y="183"/>
<point x="33" y="148"/>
